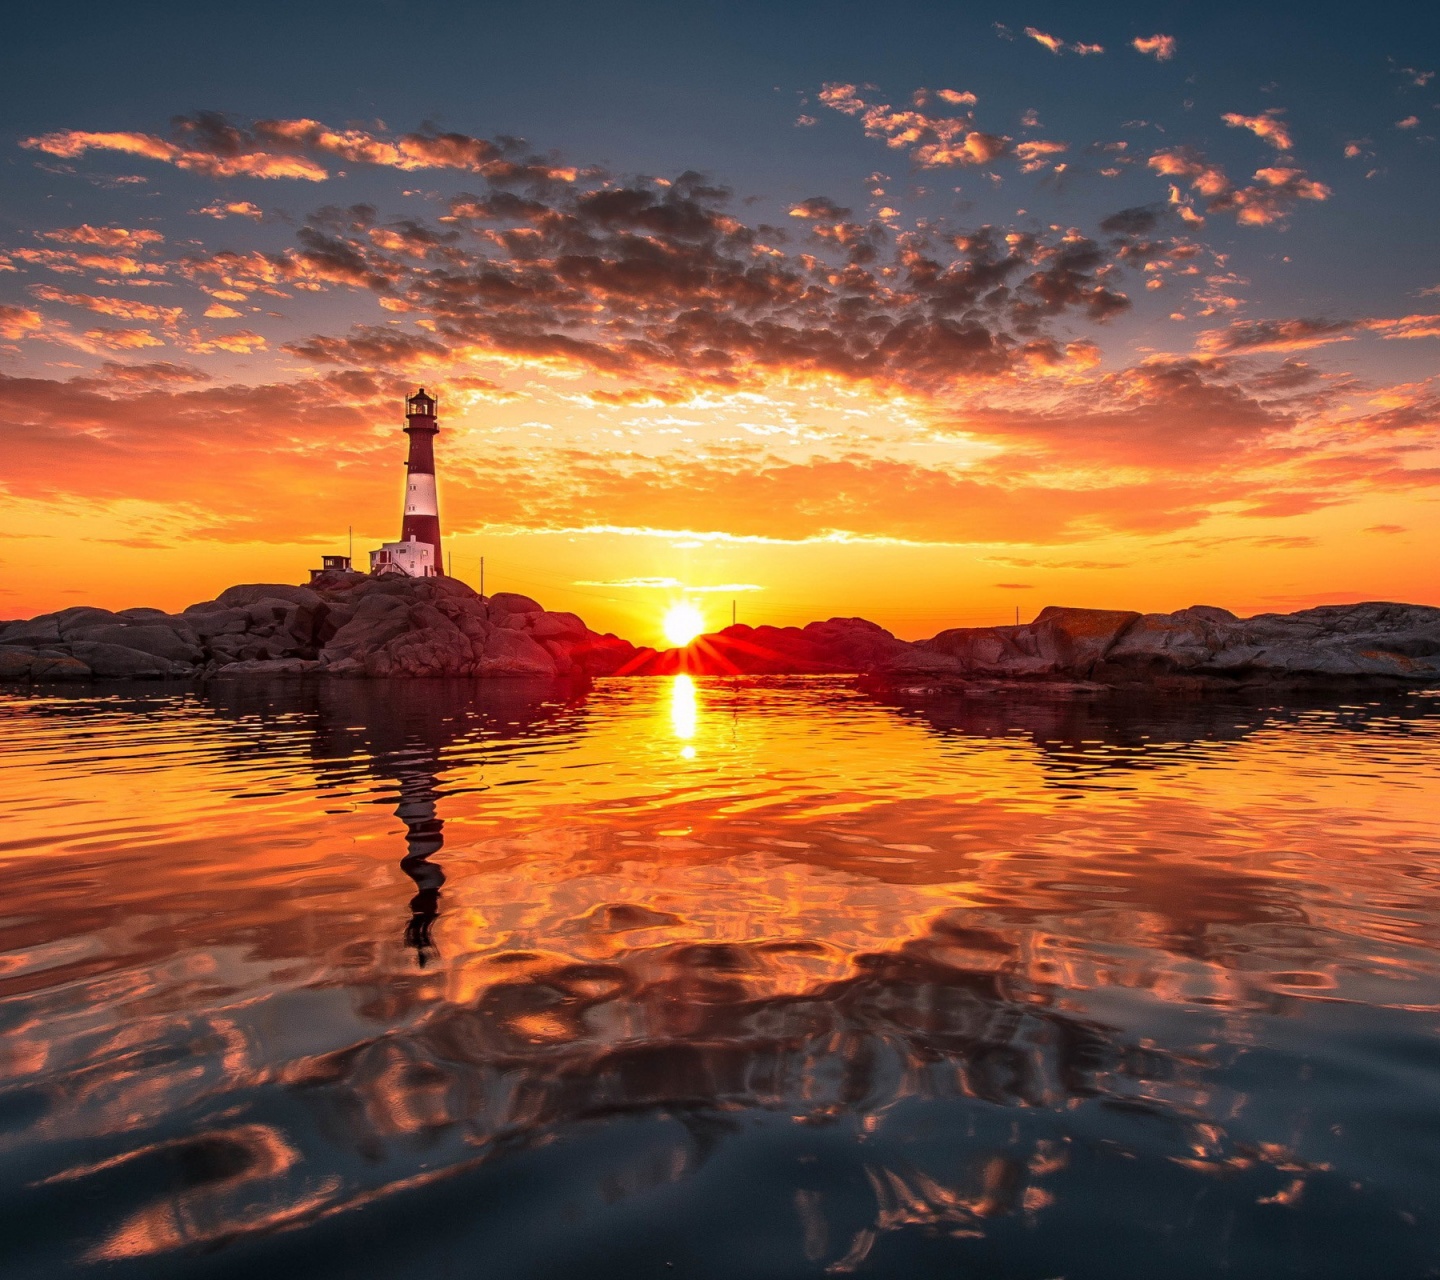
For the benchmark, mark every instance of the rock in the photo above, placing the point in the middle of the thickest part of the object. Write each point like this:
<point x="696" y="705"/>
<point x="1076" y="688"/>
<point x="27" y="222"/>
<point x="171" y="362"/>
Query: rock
<point x="1076" y="639"/>
<point x="513" y="653"/>
<point x="409" y="627"/>
<point x="229" y="647"/>
<point x="160" y="640"/>
<point x="270" y="667"/>
<point x="269" y="610"/>
<point x="58" y="667"/>
<point x="510" y="602"/>
<point x="243" y="596"/>
<point x="434" y="651"/>
<point x="31" y="664"/>
<point x="601" y="655"/>
<point x="557" y="626"/>
<point x="118" y="662"/>
<point x="81" y="615"/>
<point x="42" y="630"/>
<point x="218" y="622"/>
<point x="377" y="620"/>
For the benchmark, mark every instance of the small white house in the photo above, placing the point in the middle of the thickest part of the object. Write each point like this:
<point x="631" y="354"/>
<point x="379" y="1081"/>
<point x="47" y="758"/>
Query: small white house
<point x="411" y="558"/>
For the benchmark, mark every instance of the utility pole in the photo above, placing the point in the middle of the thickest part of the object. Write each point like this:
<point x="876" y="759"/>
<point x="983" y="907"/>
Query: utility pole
<point x="482" y="575"/>
<point x="352" y="545"/>
<point x="1017" y="615"/>
<point x="450" y="563"/>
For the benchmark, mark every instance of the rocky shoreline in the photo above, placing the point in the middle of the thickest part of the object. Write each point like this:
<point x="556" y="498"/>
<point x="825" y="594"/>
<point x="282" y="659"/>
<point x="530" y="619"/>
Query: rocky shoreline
<point x="349" y="624"/>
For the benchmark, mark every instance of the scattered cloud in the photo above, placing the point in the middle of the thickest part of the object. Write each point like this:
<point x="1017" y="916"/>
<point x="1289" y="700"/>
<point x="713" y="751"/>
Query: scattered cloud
<point x="19" y="322"/>
<point x="1266" y="202"/>
<point x="1254" y="336"/>
<point x="933" y="141"/>
<point x="1269" y="125"/>
<point x="1057" y="46"/>
<point x="1161" y="48"/>
<point x="211" y="144"/>
<point x="231" y="209"/>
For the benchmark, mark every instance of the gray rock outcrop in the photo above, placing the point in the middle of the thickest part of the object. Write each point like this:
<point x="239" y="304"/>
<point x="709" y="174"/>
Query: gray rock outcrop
<point x="1200" y="645"/>
<point x="348" y="624"/>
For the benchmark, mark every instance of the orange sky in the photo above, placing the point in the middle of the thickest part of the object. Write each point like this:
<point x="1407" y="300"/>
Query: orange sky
<point x="659" y="388"/>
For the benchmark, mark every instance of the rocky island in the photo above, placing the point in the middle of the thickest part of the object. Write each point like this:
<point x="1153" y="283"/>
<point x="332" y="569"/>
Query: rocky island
<point x="352" y="624"/>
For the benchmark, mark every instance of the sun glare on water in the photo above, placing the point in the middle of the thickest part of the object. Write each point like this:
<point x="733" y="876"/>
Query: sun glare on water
<point x="683" y="622"/>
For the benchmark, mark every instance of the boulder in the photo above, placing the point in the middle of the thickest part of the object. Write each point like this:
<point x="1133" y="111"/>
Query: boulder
<point x="248" y="594"/>
<point x="513" y="653"/>
<point x="58" y="667"/>
<point x="158" y="639"/>
<point x="1076" y="639"/>
<point x="81" y="615"/>
<point x="430" y="651"/>
<point x="217" y="622"/>
<point x="31" y="664"/>
<point x="42" y="630"/>
<point x="510" y="602"/>
<point x="270" y="667"/>
<point x="118" y="662"/>
<point x="557" y="626"/>
<point x="377" y="620"/>
<point x="601" y="655"/>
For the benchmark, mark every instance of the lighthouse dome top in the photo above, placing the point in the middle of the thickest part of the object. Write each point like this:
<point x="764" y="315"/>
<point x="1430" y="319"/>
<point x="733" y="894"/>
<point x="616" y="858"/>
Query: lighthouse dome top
<point x="420" y="404"/>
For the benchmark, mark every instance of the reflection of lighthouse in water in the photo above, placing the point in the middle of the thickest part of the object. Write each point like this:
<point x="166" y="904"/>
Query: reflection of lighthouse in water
<point x="417" y="771"/>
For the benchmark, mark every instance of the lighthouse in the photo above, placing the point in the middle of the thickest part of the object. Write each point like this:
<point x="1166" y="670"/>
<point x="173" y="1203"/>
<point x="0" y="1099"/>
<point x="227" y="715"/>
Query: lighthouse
<point x="417" y="554"/>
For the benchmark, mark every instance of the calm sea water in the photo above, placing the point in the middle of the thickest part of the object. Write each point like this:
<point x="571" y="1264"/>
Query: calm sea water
<point x="716" y="979"/>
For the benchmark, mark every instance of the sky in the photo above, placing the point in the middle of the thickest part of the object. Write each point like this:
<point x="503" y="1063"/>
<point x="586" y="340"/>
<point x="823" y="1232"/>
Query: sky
<point x="934" y="314"/>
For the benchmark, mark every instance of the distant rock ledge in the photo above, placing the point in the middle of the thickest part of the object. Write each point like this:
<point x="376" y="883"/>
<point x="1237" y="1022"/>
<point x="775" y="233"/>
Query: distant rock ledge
<point x="348" y="624"/>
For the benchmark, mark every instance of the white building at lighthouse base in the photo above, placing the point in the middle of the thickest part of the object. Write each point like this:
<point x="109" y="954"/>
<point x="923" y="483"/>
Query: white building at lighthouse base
<point x="412" y="559"/>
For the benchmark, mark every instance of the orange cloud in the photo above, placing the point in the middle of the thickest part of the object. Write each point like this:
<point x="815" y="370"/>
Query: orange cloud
<point x="241" y="342"/>
<point x="1033" y="155"/>
<point x="1268" y="125"/>
<point x="19" y="322"/>
<point x="932" y="141"/>
<point x="1417" y="326"/>
<point x="69" y="143"/>
<point x="1058" y="46"/>
<point x="119" y="308"/>
<point x="107" y="237"/>
<point x="1275" y="335"/>
<point x="1161" y="48"/>
<point x="231" y="209"/>
<point x="1265" y="204"/>
<point x="75" y="262"/>
<point x="209" y="143"/>
<point x="123" y="339"/>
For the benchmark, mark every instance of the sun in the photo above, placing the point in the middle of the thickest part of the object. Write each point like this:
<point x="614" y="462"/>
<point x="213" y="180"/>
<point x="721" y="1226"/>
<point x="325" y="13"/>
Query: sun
<point x="683" y="622"/>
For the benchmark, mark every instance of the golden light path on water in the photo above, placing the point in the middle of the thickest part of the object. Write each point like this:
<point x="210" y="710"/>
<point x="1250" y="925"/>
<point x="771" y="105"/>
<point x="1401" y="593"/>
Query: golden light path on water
<point x="466" y="917"/>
